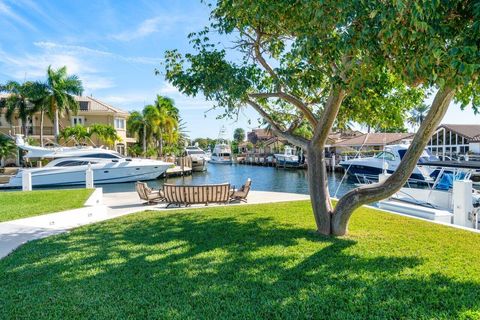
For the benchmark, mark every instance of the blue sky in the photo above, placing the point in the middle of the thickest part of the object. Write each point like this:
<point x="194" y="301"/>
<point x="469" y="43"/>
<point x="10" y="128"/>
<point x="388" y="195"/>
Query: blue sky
<point x="114" y="47"/>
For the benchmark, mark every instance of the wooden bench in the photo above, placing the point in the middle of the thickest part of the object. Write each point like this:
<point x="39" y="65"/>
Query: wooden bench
<point x="204" y="194"/>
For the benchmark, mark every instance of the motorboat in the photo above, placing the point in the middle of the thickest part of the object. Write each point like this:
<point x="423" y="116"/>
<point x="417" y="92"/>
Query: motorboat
<point x="198" y="156"/>
<point x="68" y="167"/>
<point x="222" y="153"/>
<point x="440" y="200"/>
<point x="387" y="161"/>
<point x="287" y="158"/>
<point x="69" y="171"/>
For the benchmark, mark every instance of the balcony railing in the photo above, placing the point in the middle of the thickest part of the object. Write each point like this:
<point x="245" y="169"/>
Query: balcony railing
<point x="31" y="131"/>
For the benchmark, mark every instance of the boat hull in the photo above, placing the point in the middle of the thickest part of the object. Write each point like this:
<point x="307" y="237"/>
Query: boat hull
<point x="215" y="161"/>
<point x="199" y="165"/>
<point x="104" y="175"/>
<point x="360" y="169"/>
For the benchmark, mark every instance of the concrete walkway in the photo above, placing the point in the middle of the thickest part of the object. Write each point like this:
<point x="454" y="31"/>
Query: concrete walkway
<point x="17" y="232"/>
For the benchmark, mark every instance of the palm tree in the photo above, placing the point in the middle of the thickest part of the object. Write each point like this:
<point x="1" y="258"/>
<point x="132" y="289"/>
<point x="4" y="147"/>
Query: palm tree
<point x="168" y="121"/>
<point x="60" y="100"/>
<point x="7" y="147"/>
<point x="22" y="100"/>
<point x="418" y="114"/>
<point x="105" y="132"/>
<point x="79" y="133"/>
<point x="137" y="125"/>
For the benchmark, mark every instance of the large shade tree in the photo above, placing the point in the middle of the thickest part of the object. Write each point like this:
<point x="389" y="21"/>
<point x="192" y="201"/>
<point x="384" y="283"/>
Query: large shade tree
<point x="320" y="63"/>
<point x="60" y="99"/>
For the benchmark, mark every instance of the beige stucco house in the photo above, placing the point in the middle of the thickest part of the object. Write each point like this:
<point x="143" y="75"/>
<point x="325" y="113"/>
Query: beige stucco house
<point x="91" y="111"/>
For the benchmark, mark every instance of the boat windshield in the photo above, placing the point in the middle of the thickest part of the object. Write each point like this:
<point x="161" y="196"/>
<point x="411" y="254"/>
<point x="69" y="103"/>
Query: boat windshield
<point x="425" y="157"/>
<point x="428" y="156"/>
<point x="113" y="155"/>
<point x="73" y="163"/>
<point x="195" y="152"/>
<point x="386" y="155"/>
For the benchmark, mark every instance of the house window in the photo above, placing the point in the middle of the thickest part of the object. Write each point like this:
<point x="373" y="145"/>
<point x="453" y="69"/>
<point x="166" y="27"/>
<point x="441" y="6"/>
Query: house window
<point x="119" y="123"/>
<point x="78" y="120"/>
<point x="83" y="105"/>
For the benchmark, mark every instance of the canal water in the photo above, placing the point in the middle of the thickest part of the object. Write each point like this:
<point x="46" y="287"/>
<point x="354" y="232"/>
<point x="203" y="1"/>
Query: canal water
<point x="263" y="179"/>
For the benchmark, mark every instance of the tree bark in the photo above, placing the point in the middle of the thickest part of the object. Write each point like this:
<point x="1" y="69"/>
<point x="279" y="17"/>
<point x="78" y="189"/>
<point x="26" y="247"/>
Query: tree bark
<point x="24" y="128"/>
<point x="41" y="127"/>
<point x="160" y="140"/>
<point x="318" y="188"/>
<point x="144" y="138"/>
<point x="371" y="193"/>
<point x="56" y="126"/>
<point x="317" y="172"/>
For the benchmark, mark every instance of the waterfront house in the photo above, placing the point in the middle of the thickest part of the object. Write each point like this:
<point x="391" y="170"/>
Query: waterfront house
<point x="259" y="135"/>
<point x="91" y="111"/>
<point x="450" y="140"/>
<point x="370" y="142"/>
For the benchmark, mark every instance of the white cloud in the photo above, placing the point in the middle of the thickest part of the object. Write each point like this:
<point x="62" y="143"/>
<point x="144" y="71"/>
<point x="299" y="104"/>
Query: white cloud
<point x="7" y="11"/>
<point x="163" y="23"/>
<point x="168" y="88"/>
<point x="136" y="100"/>
<point x="144" y="29"/>
<point x="81" y="50"/>
<point x="83" y="61"/>
<point x="34" y="66"/>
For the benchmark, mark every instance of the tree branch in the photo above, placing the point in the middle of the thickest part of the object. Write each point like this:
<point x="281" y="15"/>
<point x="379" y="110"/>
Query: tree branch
<point x="293" y="100"/>
<point x="261" y="59"/>
<point x="329" y="115"/>
<point x="292" y="138"/>
<point x="371" y="193"/>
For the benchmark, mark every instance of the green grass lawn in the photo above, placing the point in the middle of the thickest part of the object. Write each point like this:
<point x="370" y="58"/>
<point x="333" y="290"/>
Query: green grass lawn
<point x="17" y="205"/>
<point x="245" y="262"/>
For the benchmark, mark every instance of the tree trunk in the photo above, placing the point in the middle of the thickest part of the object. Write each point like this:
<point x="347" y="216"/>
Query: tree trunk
<point x="318" y="188"/>
<point x="371" y="193"/>
<point x="144" y="142"/>
<point x="56" y="126"/>
<point x="24" y="128"/>
<point x="41" y="127"/>
<point x="161" y="144"/>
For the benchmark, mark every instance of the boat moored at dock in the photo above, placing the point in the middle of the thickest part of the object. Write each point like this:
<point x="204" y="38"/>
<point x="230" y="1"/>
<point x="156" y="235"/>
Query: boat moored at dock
<point x="222" y="153"/>
<point x="388" y="160"/>
<point x="198" y="156"/>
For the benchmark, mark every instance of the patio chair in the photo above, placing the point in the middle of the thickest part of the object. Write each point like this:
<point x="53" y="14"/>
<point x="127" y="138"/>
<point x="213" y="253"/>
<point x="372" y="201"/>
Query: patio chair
<point x="148" y="194"/>
<point x="242" y="193"/>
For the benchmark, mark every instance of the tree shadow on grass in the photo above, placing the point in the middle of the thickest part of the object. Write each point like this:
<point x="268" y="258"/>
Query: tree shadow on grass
<point x="191" y="265"/>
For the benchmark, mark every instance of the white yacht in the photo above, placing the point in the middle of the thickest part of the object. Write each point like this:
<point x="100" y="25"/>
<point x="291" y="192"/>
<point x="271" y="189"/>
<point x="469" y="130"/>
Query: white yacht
<point x="199" y="158"/>
<point x="438" y="201"/>
<point x="69" y="165"/>
<point x="222" y="153"/>
<point x="287" y="158"/>
<point x="388" y="160"/>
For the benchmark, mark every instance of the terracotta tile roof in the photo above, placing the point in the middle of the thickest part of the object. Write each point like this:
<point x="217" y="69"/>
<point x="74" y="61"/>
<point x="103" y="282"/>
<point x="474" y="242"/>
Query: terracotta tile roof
<point x="469" y="131"/>
<point x="262" y="133"/>
<point x="374" y="139"/>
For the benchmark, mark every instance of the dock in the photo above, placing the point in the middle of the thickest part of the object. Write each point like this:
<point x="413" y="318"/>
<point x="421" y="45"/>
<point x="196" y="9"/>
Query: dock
<point x="178" y="171"/>
<point x="268" y="160"/>
<point x="183" y="167"/>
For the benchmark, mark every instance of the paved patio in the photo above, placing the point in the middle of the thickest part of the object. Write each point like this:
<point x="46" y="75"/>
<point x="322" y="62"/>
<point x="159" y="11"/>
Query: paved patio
<point x="15" y="233"/>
